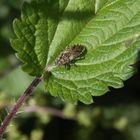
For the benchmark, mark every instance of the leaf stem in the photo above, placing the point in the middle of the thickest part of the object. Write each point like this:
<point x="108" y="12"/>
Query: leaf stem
<point x="18" y="104"/>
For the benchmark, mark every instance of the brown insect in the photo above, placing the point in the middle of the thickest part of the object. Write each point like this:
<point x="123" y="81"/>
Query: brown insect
<point x="70" y="55"/>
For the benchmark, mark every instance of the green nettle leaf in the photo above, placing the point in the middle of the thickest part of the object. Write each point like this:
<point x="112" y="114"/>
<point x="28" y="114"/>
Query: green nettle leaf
<point x="109" y="29"/>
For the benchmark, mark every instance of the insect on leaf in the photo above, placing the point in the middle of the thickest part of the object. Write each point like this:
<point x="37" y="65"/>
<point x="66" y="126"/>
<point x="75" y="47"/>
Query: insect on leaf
<point x="104" y="28"/>
<point x="70" y="55"/>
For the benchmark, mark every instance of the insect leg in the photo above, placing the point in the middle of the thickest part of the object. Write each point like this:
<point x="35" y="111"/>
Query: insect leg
<point x="80" y="58"/>
<point x="67" y="66"/>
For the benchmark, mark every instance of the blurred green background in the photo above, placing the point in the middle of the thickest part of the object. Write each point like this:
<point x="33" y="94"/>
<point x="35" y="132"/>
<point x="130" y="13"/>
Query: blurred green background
<point x="114" y="116"/>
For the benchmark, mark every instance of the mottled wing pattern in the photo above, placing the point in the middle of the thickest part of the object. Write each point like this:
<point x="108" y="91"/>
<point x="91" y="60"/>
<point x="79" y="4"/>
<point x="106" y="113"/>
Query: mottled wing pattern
<point x="70" y="54"/>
